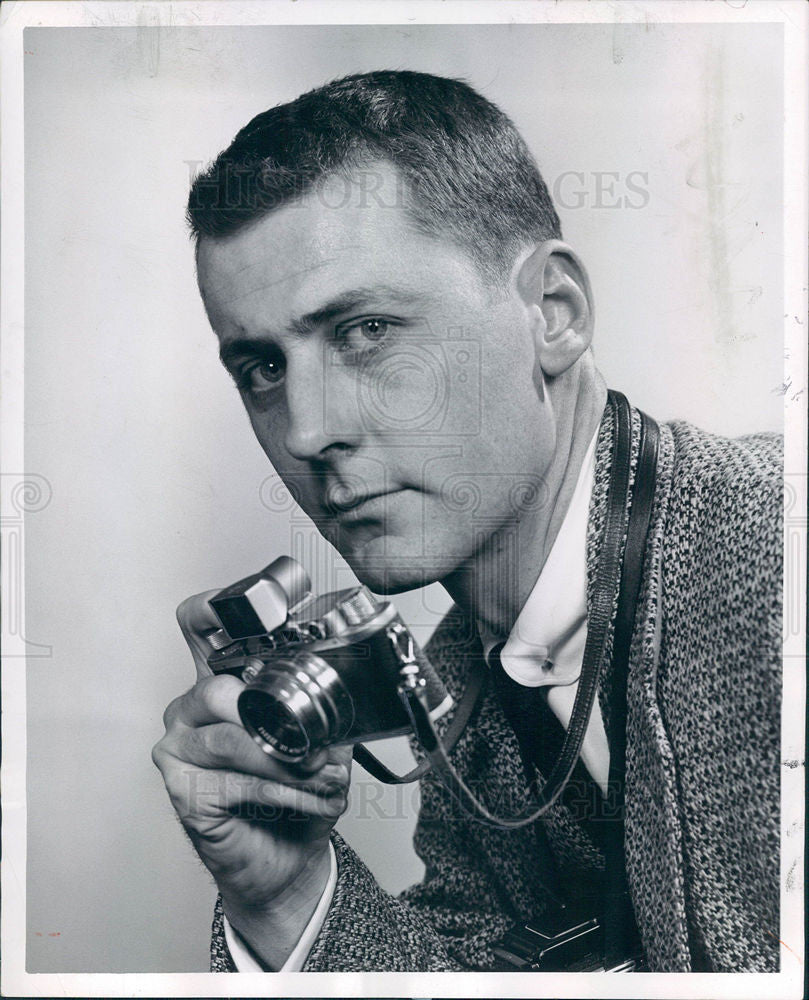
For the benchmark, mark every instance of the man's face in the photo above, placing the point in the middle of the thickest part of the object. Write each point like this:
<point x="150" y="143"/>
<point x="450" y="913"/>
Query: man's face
<point x="390" y="385"/>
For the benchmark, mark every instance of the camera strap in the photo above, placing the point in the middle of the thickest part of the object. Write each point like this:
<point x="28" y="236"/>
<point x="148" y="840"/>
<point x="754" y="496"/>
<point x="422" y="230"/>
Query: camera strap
<point x="466" y="706"/>
<point x="618" y="578"/>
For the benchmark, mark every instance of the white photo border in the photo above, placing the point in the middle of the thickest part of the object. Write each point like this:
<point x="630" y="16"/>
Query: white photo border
<point x="793" y="14"/>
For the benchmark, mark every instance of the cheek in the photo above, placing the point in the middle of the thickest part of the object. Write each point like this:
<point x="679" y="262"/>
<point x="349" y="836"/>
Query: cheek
<point x="514" y="403"/>
<point x="299" y="482"/>
<point x="499" y="475"/>
<point x="416" y="389"/>
<point x="268" y="420"/>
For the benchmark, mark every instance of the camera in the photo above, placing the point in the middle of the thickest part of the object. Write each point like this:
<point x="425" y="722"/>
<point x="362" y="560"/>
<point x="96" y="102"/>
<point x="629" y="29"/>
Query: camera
<point x="559" y="941"/>
<point x="319" y="670"/>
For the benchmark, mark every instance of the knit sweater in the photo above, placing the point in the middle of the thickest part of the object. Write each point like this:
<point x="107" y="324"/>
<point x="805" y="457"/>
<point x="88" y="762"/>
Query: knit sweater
<point x="702" y="759"/>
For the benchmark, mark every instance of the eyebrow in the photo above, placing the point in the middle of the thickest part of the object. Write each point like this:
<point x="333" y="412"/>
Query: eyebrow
<point x="232" y="350"/>
<point x="345" y="302"/>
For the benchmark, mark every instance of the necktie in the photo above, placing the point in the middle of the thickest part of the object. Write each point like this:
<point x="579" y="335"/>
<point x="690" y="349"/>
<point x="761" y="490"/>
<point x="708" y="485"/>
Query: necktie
<point x="539" y="736"/>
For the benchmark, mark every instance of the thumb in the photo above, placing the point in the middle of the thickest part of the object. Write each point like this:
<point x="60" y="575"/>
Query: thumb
<point x="195" y="618"/>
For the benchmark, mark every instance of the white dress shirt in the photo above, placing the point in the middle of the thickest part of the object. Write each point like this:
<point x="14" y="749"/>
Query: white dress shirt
<point x="545" y="648"/>
<point x="243" y="958"/>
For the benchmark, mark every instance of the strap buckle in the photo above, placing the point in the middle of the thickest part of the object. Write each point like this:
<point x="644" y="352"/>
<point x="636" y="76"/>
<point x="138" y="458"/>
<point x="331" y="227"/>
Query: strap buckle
<point x="404" y="649"/>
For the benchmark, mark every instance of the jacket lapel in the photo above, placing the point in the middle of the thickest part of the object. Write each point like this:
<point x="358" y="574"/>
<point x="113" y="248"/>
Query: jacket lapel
<point x="653" y="838"/>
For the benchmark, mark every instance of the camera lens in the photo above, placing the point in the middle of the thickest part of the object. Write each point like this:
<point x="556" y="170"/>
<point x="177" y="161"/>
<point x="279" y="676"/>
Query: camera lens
<point x="275" y="725"/>
<point x="294" y="707"/>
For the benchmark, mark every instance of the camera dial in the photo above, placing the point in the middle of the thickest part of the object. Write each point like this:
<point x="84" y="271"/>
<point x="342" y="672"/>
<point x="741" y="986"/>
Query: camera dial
<point x="317" y="670"/>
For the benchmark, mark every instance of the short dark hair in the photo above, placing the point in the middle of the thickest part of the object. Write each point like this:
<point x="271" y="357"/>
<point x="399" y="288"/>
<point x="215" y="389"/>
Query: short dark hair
<point x="470" y="176"/>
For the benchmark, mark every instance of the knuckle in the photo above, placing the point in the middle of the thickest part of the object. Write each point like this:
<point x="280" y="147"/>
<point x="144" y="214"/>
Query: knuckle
<point x="194" y="613"/>
<point x="157" y="755"/>
<point x="339" y="804"/>
<point x="220" y="743"/>
<point x="181" y="784"/>
<point x="218" y="692"/>
<point x="207" y="688"/>
<point x="171" y="712"/>
<point x="185" y="611"/>
<point x="174" y="788"/>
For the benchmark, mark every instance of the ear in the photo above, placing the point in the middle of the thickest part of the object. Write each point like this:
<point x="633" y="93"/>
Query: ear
<point x="553" y="284"/>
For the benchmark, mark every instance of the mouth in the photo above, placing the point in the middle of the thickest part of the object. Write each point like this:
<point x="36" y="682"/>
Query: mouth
<point x="354" y="505"/>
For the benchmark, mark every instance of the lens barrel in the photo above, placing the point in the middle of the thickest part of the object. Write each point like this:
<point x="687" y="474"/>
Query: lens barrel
<point x="294" y="707"/>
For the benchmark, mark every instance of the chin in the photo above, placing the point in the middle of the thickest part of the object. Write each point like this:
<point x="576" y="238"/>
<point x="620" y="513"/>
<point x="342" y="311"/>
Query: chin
<point x="384" y="570"/>
<point x="386" y="564"/>
<point x="390" y="579"/>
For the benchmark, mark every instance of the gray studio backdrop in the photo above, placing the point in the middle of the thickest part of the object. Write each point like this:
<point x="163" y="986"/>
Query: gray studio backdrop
<point x="662" y="145"/>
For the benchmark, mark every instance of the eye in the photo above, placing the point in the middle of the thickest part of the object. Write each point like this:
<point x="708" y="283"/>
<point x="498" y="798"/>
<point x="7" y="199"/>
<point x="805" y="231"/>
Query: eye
<point x="261" y="375"/>
<point x="362" y="337"/>
<point x="270" y="371"/>
<point x="373" y="329"/>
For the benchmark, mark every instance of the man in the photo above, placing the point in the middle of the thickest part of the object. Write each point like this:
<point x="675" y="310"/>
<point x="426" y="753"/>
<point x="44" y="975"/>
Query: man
<point x="385" y="272"/>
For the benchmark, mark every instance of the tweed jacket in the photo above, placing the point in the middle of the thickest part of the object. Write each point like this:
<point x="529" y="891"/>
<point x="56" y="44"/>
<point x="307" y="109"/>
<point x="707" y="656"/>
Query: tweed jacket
<point x="702" y="760"/>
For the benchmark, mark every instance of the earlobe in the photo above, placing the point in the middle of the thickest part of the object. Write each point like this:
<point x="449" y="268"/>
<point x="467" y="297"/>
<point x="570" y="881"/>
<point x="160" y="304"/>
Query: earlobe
<point x="560" y="352"/>
<point x="553" y="282"/>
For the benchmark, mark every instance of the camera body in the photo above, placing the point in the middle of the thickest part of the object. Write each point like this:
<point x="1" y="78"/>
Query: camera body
<point x="561" y="941"/>
<point x="318" y="670"/>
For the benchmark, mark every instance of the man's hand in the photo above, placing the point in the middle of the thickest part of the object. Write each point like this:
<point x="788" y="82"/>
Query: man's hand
<point x="260" y="827"/>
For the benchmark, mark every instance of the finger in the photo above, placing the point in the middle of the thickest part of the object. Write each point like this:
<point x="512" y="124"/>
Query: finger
<point x="200" y="795"/>
<point x="223" y="746"/>
<point x="252" y="797"/>
<point x="196" y="617"/>
<point x="211" y="699"/>
<point x="203" y="727"/>
<point x="309" y="765"/>
<point x="329" y="765"/>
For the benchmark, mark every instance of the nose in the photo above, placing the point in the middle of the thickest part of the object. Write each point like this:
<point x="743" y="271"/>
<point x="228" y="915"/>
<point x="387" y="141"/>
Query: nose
<point x="321" y="407"/>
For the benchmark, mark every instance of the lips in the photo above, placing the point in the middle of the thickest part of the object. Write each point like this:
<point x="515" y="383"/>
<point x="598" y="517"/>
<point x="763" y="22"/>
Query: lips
<point x="343" y="501"/>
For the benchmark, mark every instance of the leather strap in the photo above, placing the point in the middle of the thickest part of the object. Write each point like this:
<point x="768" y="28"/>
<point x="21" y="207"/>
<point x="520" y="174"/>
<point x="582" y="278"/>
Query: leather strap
<point x="620" y="930"/>
<point x="606" y="591"/>
<point x="617" y="578"/>
<point x="478" y="678"/>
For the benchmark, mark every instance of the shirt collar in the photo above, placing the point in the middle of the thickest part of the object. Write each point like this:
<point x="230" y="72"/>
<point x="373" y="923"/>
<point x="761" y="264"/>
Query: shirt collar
<point x="546" y="644"/>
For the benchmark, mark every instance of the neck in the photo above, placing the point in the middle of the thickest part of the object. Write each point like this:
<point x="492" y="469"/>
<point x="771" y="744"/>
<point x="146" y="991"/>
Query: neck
<point x="494" y="585"/>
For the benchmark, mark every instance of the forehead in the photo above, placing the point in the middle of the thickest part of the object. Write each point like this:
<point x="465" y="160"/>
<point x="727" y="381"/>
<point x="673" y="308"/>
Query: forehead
<point x="350" y="232"/>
